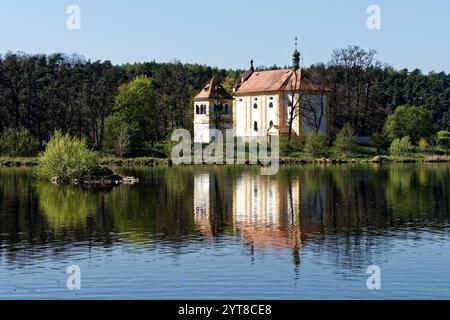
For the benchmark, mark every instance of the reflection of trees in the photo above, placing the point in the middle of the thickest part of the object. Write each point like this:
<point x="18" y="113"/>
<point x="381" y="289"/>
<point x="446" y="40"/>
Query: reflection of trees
<point x="418" y="193"/>
<point x="18" y="206"/>
<point x="160" y="209"/>
<point x="343" y="211"/>
<point x="66" y="206"/>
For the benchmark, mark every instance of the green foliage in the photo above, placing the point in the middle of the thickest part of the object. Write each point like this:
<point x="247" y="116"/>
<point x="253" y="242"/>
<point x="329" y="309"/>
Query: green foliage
<point x="443" y="139"/>
<point x="66" y="158"/>
<point x="66" y="206"/>
<point x="381" y="141"/>
<point x="411" y="121"/>
<point x="290" y="148"/>
<point x="316" y="145"/>
<point x="133" y="122"/>
<point x="345" y="142"/>
<point x="18" y="142"/>
<point x="401" y="147"/>
<point x="423" y="145"/>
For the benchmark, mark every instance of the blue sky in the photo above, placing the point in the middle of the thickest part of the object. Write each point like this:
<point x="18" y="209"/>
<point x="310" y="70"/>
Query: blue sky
<point x="229" y="33"/>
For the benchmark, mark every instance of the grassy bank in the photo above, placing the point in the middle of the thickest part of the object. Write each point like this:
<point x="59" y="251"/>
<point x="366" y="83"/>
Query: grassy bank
<point x="150" y="161"/>
<point x="110" y="161"/>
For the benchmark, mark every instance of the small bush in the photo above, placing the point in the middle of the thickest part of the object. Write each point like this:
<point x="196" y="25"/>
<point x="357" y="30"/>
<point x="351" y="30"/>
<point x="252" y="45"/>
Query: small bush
<point x="443" y="139"/>
<point x="424" y="146"/>
<point x="346" y="140"/>
<point x="295" y="146"/>
<point x="316" y="145"/>
<point x="381" y="141"/>
<point x="66" y="158"/>
<point x="18" y="142"/>
<point x="401" y="147"/>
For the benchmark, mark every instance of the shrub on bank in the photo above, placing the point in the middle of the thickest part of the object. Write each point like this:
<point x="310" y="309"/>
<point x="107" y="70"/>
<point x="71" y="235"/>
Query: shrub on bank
<point x="346" y="142"/>
<point x="381" y="142"/>
<point x="424" y="146"/>
<point x="67" y="158"/>
<point x="401" y="147"/>
<point x="443" y="140"/>
<point x="316" y="145"/>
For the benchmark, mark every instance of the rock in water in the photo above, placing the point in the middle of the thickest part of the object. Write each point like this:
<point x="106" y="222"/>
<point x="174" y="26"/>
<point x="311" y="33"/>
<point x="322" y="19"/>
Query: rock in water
<point x="100" y="176"/>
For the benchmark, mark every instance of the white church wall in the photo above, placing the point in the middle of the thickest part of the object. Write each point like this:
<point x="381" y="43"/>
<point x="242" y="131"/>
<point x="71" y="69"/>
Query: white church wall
<point x="256" y="115"/>
<point x="201" y="133"/>
<point x="247" y="114"/>
<point x="272" y="112"/>
<point x="240" y="116"/>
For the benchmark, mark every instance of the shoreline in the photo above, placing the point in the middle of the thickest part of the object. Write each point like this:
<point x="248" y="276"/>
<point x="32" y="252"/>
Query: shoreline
<point x="151" y="162"/>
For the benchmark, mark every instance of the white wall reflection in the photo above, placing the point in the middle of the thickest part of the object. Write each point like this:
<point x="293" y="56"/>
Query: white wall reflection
<point x="264" y="212"/>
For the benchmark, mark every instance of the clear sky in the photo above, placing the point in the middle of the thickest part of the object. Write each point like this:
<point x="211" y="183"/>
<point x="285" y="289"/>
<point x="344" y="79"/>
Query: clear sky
<point x="414" y="34"/>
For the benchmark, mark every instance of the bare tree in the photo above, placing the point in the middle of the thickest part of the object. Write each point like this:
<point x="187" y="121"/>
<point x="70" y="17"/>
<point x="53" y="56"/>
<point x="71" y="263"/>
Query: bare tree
<point x="314" y="99"/>
<point x="294" y="101"/>
<point x="123" y="140"/>
<point x="354" y="70"/>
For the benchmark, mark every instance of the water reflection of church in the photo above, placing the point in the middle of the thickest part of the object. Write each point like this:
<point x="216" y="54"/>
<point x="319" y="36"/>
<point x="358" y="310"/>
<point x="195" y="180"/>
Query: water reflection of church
<point x="263" y="211"/>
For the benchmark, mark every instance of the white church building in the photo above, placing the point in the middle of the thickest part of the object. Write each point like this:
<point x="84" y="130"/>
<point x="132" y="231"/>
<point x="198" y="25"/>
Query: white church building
<point x="261" y="105"/>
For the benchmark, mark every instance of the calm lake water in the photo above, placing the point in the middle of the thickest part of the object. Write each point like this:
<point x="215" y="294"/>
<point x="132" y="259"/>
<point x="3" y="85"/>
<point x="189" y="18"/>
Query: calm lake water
<point x="205" y="233"/>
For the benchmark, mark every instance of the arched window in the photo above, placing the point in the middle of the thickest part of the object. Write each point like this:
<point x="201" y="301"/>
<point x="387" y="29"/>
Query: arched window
<point x="270" y="123"/>
<point x="203" y="107"/>
<point x="255" y="126"/>
<point x="270" y="105"/>
<point x="255" y="106"/>
<point x="197" y="109"/>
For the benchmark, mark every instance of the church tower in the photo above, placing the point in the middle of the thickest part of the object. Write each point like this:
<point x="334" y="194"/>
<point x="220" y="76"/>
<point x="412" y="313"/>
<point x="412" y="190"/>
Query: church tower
<point x="212" y="110"/>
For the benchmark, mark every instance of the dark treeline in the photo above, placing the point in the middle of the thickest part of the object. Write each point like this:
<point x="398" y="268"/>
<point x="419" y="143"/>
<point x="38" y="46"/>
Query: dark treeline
<point x="67" y="93"/>
<point x="60" y="92"/>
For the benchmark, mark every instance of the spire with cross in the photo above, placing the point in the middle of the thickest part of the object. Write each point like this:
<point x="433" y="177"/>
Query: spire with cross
<point x="296" y="57"/>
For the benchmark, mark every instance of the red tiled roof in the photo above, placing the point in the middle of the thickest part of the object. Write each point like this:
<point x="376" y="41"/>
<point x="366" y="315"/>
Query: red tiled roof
<point x="272" y="80"/>
<point x="213" y="91"/>
<point x="277" y="80"/>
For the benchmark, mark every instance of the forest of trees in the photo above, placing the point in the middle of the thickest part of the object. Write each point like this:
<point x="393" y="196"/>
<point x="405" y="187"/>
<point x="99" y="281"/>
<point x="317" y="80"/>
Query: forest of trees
<point x="43" y="93"/>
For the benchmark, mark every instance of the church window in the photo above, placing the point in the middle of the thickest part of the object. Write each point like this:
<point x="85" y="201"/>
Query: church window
<point x="270" y="105"/>
<point x="255" y="106"/>
<point x="255" y="126"/>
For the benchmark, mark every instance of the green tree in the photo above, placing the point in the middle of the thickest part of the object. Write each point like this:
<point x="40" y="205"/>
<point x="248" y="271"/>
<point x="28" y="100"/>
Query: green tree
<point x="134" y="109"/>
<point x="18" y="142"/>
<point x="411" y="121"/>
<point x="401" y="147"/>
<point x="346" y="140"/>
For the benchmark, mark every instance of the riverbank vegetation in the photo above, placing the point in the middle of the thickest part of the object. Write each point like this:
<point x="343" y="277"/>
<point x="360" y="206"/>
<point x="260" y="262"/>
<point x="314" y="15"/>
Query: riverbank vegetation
<point x="128" y="111"/>
<point x="66" y="158"/>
